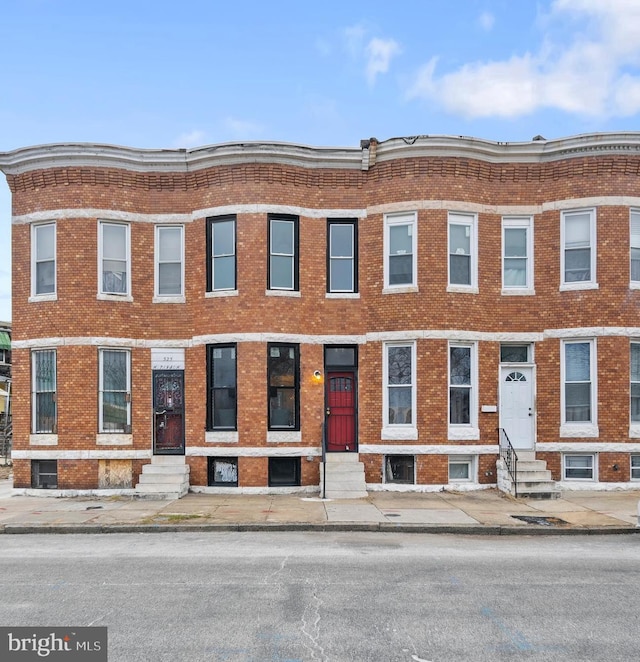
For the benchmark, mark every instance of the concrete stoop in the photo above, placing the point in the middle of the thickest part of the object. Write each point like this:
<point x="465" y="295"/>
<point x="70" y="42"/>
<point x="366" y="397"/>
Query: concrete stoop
<point x="345" y="477"/>
<point x="533" y="479"/>
<point x="167" y="477"/>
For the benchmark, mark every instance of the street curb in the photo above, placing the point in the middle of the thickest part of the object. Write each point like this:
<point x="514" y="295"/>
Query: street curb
<point x="326" y="527"/>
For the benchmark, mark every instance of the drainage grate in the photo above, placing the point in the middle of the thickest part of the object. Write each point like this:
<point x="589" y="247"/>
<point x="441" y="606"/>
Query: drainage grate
<point x="542" y="521"/>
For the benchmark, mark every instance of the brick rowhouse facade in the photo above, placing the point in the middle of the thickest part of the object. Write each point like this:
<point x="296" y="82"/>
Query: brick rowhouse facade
<point x="217" y="304"/>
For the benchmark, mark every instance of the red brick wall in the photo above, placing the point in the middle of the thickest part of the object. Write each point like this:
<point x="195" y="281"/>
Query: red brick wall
<point x="78" y="313"/>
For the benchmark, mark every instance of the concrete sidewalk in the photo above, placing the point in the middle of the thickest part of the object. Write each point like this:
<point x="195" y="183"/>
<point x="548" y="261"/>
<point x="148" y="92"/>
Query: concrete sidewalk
<point x="482" y="511"/>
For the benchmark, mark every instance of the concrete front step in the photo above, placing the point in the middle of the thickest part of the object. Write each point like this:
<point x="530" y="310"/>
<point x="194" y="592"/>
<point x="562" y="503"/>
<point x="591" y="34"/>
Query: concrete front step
<point x="342" y="458"/>
<point x="167" y="477"/>
<point x="162" y="479"/>
<point x="344" y="478"/>
<point x="524" y="475"/>
<point x="532" y="465"/>
<point x="175" y="460"/>
<point x="166" y="469"/>
<point x="533" y="479"/>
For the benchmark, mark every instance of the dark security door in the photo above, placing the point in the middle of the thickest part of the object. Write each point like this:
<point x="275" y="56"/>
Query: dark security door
<point x="341" y="412"/>
<point x="168" y="412"/>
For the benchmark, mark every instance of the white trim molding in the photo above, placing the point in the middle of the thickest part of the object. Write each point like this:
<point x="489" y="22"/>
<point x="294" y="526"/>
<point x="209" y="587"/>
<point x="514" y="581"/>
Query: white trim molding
<point x="80" y="455"/>
<point x="426" y="449"/>
<point x="587" y="447"/>
<point x="253" y="451"/>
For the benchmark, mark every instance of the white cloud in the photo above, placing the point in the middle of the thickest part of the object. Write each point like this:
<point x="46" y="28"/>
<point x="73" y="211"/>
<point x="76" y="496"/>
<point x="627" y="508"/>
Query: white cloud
<point x="591" y="71"/>
<point x="192" y="139"/>
<point x="379" y="53"/>
<point x="486" y="20"/>
<point x="376" y="52"/>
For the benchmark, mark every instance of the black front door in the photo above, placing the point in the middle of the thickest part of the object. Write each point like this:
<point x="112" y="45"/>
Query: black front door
<point x="168" y="412"/>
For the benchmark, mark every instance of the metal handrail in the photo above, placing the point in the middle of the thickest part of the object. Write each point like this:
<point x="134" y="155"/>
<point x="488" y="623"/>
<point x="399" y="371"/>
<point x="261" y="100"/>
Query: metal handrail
<point x="324" y="459"/>
<point x="510" y="457"/>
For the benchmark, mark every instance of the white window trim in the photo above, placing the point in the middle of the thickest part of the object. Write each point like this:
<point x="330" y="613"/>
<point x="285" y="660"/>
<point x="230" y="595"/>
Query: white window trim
<point x="594" y="467"/>
<point x="591" y="284"/>
<point x="473" y="468"/>
<point x="526" y="223"/>
<point x="634" y="426"/>
<point x="114" y="296"/>
<point x="399" y="431"/>
<point x="464" y="431"/>
<point x="404" y="218"/>
<point x="580" y="428"/>
<point x="385" y="476"/>
<point x="631" y="467"/>
<point x="223" y="291"/>
<point x="167" y="298"/>
<point x="49" y="296"/>
<point x="101" y="430"/>
<point x="49" y="438"/>
<point x="471" y="220"/>
<point x="633" y="284"/>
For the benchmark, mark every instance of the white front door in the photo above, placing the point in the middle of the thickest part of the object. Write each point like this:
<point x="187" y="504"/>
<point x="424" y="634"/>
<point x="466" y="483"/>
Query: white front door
<point x="517" y="415"/>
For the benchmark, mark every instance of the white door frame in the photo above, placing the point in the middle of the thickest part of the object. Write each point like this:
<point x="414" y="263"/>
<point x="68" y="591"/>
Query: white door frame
<point x="530" y="370"/>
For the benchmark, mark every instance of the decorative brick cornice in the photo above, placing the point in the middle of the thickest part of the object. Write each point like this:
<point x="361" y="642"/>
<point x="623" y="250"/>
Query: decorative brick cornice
<point x="592" y="155"/>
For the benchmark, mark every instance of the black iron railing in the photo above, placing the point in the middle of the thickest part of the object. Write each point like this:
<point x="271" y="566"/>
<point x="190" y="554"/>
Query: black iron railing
<point x="510" y="458"/>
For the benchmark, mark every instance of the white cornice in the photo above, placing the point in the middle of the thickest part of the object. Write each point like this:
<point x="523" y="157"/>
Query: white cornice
<point x="534" y="151"/>
<point x="65" y="155"/>
<point x="84" y="155"/>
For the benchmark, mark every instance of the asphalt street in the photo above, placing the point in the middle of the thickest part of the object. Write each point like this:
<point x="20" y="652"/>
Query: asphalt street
<point x="332" y="597"/>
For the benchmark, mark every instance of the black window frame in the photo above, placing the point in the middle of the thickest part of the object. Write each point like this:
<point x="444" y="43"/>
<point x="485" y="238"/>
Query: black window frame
<point x="296" y="251"/>
<point x="295" y="465"/>
<point x="353" y="222"/>
<point x="271" y="389"/>
<point x="211" y="481"/>
<point x="37" y="473"/>
<point x="211" y="220"/>
<point x="211" y="388"/>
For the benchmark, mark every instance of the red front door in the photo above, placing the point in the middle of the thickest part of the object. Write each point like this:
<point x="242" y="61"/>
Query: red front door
<point x="341" y="412"/>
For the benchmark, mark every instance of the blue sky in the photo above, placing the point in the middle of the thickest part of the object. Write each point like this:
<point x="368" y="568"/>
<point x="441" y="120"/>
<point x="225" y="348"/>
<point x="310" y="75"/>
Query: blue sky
<point x="165" y="74"/>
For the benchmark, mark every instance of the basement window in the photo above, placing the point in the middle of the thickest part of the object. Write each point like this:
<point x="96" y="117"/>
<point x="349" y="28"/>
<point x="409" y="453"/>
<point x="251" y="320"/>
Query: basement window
<point x="399" y="469"/>
<point x="461" y="468"/>
<point x="44" y="474"/>
<point x="284" y="471"/>
<point x="635" y="467"/>
<point x="223" y="471"/>
<point x="578" y="467"/>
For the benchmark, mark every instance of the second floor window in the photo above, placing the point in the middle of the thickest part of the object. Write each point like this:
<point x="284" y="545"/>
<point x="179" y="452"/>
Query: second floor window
<point x="283" y="253"/>
<point x="635" y="245"/>
<point x="43" y="391"/>
<point x="342" y="252"/>
<point x="400" y="250"/>
<point x="115" y="259"/>
<point x="462" y="250"/>
<point x="221" y="265"/>
<point x="578" y="255"/>
<point x="169" y="261"/>
<point x="43" y="259"/>
<point x="516" y="254"/>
